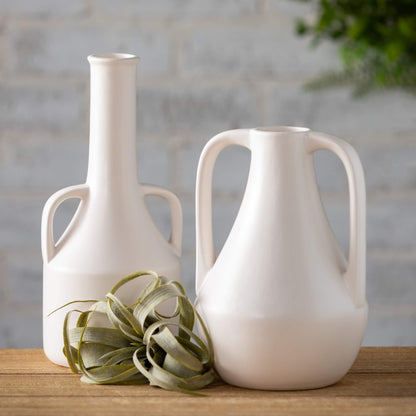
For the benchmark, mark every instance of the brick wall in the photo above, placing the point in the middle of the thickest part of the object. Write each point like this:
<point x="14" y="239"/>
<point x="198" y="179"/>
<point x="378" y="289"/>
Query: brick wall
<point x="206" y="66"/>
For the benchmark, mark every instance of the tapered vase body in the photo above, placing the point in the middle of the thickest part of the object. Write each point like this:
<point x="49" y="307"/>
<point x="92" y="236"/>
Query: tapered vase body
<point x="284" y="307"/>
<point x="112" y="233"/>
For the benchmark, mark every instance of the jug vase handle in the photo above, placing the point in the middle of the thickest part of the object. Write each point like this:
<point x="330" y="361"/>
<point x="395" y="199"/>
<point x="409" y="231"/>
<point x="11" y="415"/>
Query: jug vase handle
<point x="356" y="269"/>
<point x="49" y="247"/>
<point x="175" y="238"/>
<point x="203" y="204"/>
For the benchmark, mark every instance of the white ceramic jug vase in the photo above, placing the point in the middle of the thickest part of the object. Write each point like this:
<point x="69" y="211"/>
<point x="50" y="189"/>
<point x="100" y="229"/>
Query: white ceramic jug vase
<point x="284" y="308"/>
<point x="112" y="233"/>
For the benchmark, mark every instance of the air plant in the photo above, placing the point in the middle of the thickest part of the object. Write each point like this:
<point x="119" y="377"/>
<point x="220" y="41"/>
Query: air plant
<point x="140" y="345"/>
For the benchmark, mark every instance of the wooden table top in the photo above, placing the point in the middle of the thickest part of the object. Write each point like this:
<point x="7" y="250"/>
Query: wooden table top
<point x="382" y="381"/>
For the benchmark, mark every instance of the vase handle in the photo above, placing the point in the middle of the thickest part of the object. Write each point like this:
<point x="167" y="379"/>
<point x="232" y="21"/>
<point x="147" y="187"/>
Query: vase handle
<point x="176" y="211"/>
<point x="205" y="256"/>
<point x="49" y="247"/>
<point x="356" y="270"/>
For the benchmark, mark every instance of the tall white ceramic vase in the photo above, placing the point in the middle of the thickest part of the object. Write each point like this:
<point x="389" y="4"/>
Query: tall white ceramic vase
<point x="112" y="233"/>
<point x="284" y="308"/>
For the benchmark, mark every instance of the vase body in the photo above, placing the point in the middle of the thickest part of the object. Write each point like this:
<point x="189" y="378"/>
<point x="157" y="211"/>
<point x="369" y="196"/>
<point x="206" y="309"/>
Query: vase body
<point x="284" y="308"/>
<point x="112" y="233"/>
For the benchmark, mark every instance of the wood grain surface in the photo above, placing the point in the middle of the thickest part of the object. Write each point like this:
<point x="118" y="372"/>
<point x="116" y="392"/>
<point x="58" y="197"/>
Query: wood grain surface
<point x="382" y="381"/>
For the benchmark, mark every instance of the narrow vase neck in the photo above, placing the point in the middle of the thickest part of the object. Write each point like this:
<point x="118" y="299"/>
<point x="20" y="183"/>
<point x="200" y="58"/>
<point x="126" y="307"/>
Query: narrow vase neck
<point x="112" y="155"/>
<point x="281" y="158"/>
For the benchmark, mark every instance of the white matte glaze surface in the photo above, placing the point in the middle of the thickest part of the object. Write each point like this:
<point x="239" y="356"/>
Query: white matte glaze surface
<point x="112" y="233"/>
<point x="284" y="308"/>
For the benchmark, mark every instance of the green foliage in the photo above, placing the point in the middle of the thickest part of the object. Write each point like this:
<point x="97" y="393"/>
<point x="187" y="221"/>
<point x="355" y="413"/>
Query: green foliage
<point x="137" y="344"/>
<point x="376" y="38"/>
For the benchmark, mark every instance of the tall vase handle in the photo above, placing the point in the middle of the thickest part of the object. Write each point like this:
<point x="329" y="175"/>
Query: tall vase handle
<point x="356" y="270"/>
<point x="49" y="248"/>
<point x="205" y="257"/>
<point x="176" y="211"/>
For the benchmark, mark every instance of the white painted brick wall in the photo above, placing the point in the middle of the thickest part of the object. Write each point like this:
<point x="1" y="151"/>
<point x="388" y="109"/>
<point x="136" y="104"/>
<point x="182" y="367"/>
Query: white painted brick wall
<point x="377" y="116"/>
<point x="28" y="165"/>
<point x="230" y="174"/>
<point x="61" y="50"/>
<point x="24" y="281"/>
<point x="253" y="51"/>
<point x="206" y="66"/>
<point x="34" y="107"/>
<point x="42" y="8"/>
<point x="20" y="222"/>
<point x="179" y="9"/>
<point x="194" y="111"/>
<point x="392" y="282"/>
<point x="391" y="224"/>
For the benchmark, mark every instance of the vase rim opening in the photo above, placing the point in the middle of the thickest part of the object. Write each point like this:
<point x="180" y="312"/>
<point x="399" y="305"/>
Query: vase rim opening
<point x="104" y="58"/>
<point x="281" y="129"/>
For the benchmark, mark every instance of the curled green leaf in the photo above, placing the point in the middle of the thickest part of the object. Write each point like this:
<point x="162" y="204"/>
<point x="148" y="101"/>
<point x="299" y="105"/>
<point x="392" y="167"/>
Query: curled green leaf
<point x="140" y="344"/>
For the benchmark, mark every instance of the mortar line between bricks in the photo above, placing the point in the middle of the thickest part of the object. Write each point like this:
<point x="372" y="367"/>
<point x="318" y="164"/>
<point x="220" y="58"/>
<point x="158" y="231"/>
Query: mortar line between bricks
<point x="218" y="195"/>
<point x="186" y="139"/>
<point x="148" y="80"/>
<point x="44" y="137"/>
<point x="223" y="80"/>
<point x="188" y="254"/>
<point x="26" y="194"/>
<point x="163" y="140"/>
<point x="176" y="53"/>
<point x="382" y="310"/>
<point x="89" y="7"/>
<point x="336" y="196"/>
<point x="374" y="196"/>
<point x="24" y="80"/>
<point x="184" y="80"/>
<point x="22" y="250"/>
<point x="4" y="280"/>
<point x="232" y="195"/>
<point x="264" y="7"/>
<point x="233" y="22"/>
<point x="262" y="107"/>
<point x="100" y="17"/>
<point x="175" y="167"/>
<point x="97" y="18"/>
<point x="372" y="254"/>
<point x="389" y="254"/>
<point x="23" y="308"/>
<point x="4" y="54"/>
